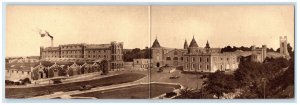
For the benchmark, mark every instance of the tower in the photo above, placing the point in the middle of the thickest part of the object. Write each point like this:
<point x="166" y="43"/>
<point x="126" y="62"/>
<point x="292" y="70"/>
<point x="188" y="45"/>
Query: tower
<point x="193" y="46"/>
<point x="207" y="47"/>
<point x="116" y="55"/>
<point x="156" y="54"/>
<point x="283" y="46"/>
<point x="263" y="52"/>
<point x="185" y="46"/>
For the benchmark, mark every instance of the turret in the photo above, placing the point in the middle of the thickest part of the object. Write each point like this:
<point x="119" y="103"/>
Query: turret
<point x="207" y="47"/>
<point x="193" y="46"/>
<point x="185" y="46"/>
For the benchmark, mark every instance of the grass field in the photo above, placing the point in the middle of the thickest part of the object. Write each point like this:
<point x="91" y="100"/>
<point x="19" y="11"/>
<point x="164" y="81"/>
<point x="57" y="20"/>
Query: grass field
<point x="43" y="90"/>
<point x="186" y="79"/>
<point x="132" y="92"/>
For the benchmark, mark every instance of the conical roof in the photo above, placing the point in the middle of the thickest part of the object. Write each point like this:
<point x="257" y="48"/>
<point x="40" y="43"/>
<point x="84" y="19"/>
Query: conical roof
<point x="185" y="44"/>
<point x="193" y="43"/>
<point x="156" y="44"/>
<point x="207" y="45"/>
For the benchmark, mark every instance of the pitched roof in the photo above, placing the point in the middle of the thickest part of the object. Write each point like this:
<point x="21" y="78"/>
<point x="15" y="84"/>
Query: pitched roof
<point x="156" y="44"/>
<point x="193" y="43"/>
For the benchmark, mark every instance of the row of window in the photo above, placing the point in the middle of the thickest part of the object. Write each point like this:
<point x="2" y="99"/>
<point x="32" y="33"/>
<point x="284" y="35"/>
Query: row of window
<point x="175" y="58"/>
<point x="193" y="59"/>
<point x="200" y="59"/>
<point x="98" y="51"/>
<point x="142" y="62"/>
<point x="12" y="71"/>
<point x="95" y="56"/>
<point x="193" y="67"/>
<point x="71" y="47"/>
<point x="71" y="52"/>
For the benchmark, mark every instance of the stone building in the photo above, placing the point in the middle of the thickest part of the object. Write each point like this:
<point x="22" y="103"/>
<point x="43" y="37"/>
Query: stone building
<point x="112" y="53"/>
<point x="283" y="47"/>
<point x="258" y="54"/>
<point x="141" y="63"/>
<point x="193" y="58"/>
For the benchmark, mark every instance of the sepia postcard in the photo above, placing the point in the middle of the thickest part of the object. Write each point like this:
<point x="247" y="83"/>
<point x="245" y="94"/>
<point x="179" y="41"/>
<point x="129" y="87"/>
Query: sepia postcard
<point x="149" y="52"/>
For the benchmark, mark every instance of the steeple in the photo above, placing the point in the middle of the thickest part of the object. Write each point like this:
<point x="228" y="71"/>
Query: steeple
<point x="155" y="43"/>
<point x="207" y="45"/>
<point x="193" y="43"/>
<point x="185" y="46"/>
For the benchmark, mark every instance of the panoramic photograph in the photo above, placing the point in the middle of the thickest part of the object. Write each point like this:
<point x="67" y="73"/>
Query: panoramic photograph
<point x="149" y="52"/>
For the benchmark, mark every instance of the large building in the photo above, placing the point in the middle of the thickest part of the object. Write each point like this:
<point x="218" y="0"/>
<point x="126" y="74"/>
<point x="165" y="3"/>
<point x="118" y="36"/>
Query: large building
<point x="193" y="58"/>
<point x="112" y="52"/>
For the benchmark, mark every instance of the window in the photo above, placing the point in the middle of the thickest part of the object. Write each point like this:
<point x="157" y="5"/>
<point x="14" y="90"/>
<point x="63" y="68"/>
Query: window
<point x="175" y="58"/>
<point x="187" y="59"/>
<point x="168" y="58"/>
<point x="193" y="66"/>
<point x="200" y="59"/>
<point x="175" y="53"/>
<point x="193" y="59"/>
<point x="207" y="67"/>
<point x="207" y="59"/>
<point x="227" y="59"/>
<point x="182" y="58"/>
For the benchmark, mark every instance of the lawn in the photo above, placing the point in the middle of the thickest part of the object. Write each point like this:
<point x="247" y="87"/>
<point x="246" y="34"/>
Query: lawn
<point x="132" y="92"/>
<point x="43" y="90"/>
<point x="188" y="80"/>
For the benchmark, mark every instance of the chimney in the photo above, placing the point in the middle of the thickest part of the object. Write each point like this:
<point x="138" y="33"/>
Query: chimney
<point x="51" y="42"/>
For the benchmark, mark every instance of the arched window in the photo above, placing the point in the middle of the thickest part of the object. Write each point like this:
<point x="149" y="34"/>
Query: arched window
<point x="168" y="58"/>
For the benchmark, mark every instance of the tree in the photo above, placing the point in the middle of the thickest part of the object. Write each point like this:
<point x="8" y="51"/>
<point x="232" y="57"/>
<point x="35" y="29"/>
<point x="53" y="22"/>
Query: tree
<point x="219" y="83"/>
<point x="289" y="48"/>
<point x="254" y="78"/>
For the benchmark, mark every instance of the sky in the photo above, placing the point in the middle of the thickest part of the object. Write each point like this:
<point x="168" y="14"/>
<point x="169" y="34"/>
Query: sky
<point x="134" y="25"/>
<point x="235" y="25"/>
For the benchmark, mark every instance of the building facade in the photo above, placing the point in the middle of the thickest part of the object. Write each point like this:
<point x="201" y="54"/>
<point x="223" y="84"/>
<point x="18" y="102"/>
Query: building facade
<point x="112" y="52"/>
<point x="193" y="58"/>
<point x="141" y="64"/>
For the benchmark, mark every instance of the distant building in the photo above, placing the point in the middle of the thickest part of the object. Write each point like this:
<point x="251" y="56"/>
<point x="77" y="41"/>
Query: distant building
<point x="112" y="52"/>
<point x="258" y="54"/>
<point x="141" y="63"/>
<point x="283" y="46"/>
<point x="193" y="58"/>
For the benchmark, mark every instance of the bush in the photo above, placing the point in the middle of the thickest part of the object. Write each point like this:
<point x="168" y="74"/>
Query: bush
<point x="170" y="94"/>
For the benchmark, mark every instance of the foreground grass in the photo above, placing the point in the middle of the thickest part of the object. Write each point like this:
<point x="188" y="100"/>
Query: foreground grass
<point x="132" y="92"/>
<point x="44" y="90"/>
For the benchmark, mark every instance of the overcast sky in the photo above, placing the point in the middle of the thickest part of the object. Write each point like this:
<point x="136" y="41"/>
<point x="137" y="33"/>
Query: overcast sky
<point x="220" y="25"/>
